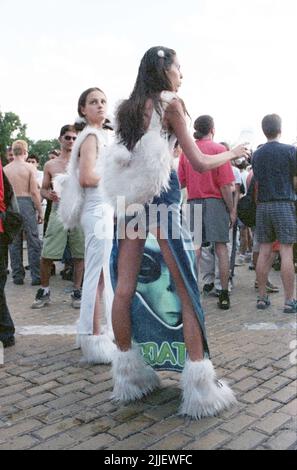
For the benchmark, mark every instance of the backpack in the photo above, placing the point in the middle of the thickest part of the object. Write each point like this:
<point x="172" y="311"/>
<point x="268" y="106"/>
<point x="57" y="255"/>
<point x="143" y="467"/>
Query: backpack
<point x="247" y="208"/>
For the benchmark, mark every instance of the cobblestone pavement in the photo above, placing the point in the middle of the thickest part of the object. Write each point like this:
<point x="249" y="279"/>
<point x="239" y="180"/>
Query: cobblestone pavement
<point x="49" y="400"/>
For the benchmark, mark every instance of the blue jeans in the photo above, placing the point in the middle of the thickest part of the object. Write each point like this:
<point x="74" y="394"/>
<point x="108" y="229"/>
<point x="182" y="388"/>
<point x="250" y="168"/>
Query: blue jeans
<point x="6" y="324"/>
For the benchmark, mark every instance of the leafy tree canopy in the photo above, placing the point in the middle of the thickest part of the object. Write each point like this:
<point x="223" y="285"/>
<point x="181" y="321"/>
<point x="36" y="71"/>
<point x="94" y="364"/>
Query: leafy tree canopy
<point x="11" y="129"/>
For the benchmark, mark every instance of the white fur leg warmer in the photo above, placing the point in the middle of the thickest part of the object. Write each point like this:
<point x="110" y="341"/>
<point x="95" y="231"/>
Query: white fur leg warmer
<point x="203" y="394"/>
<point x="97" y="349"/>
<point x="132" y="377"/>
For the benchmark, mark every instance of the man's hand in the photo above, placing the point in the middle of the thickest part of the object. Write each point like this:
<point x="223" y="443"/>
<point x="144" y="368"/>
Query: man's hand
<point x="233" y="217"/>
<point x="40" y="218"/>
<point x="53" y="196"/>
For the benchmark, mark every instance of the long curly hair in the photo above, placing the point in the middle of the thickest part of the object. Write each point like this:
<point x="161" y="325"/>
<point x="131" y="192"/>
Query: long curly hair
<point x="151" y="81"/>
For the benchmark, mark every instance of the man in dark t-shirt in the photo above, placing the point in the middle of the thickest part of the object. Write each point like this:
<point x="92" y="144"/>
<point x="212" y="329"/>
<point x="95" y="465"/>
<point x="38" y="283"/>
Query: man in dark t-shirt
<point x="275" y="167"/>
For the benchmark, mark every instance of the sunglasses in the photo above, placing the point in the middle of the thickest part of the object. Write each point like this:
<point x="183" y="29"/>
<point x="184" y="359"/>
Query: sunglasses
<point x="69" y="137"/>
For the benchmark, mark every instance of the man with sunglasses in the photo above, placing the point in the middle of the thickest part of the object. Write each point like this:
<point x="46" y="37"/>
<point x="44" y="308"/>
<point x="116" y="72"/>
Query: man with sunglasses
<point x="56" y="237"/>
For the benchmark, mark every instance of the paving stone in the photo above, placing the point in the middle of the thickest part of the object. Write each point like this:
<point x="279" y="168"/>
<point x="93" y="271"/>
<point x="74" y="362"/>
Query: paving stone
<point x="241" y="373"/>
<point x="249" y="383"/>
<point x="284" y="441"/>
<point x="19" y="443"/>
<point x="50" y="386"/>
<point x="276" y="383"/>
<point x="290" y="373"/>
<point x="286" y="394"/>
<point x="21" y="428"/>
<point x="133" y="426"/>
<point x="211" y="441"/>
<point x="60" y="443"/>
<point x="255" y="395"/>
<point x="264" y="407"/>
<point x="36" y="400"/>
<point x="57" y="428"/>
<point x="271" y="424"/>
<point x="290" y="408"/>
<point x="78" y="412"/>
<point x="100" y="442"/>
<point x="132" y="443"/>
<point x="238" y="424"/>
<point x="246" y="441"/>
<point x="175" y="441"/>
<point x="101" y="425"/>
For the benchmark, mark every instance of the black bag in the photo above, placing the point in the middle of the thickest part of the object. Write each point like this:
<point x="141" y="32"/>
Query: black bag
<point x="12" y="223"/>
<point x="247" y="208"/>
<point x="11" y="218"/>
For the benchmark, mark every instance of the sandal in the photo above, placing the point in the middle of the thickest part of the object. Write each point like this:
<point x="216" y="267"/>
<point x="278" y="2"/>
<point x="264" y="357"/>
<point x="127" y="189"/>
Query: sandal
<point x="224" y="300"/>
<point x="263" y="303"/>
<point x="290" y="306"/>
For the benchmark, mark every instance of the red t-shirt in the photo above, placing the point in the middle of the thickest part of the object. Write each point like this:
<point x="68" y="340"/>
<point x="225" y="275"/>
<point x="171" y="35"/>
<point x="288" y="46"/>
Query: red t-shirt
<point x="2" y="203"/>
<point x="205" y="185"/>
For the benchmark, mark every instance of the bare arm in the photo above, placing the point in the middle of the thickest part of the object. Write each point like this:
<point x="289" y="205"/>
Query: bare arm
<point x="35" y="195"/>
<point x="227" y="194"/>
<point x="175" y="119"/>
<point x="46" y="189"/>
<point x="87" y="163"/>
<point x="236" y="195"/>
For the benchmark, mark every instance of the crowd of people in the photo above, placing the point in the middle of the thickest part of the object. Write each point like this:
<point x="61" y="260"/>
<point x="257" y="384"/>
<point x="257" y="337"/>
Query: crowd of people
<point x="152" y="125"/>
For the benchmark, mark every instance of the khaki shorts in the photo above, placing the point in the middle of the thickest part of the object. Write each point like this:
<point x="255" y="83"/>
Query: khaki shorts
<point x="55" y="240"/>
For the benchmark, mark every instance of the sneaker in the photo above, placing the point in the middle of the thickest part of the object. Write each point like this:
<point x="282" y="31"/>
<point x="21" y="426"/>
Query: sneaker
<point x="224" y="300"/>
<point x="36" y="282"/>
<point x="76" y="298"/>
<point x="41" y="300"/>
<point x="207" y="288"/>
<point x="8" y="342"/>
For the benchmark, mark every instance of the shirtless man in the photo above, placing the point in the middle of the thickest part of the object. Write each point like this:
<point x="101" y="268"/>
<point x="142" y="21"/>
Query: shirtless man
<point x="22" y="177"/>
<point x="56" y="236"/>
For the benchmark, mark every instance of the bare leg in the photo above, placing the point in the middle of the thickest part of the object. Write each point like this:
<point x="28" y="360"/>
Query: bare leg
<point x="224" y="265"/>
<point x="98" y="306"/>
<point x="79" y="265"/>
<point x="45" y="271"/>
<point x="129" y="262"/>
<point x="192" y="332"/>
<point x="287" y="271"/>
<point x="263" y="267"/>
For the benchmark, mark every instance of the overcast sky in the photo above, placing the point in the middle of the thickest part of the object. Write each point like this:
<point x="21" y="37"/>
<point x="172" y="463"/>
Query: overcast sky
<point x="238" y="58"/>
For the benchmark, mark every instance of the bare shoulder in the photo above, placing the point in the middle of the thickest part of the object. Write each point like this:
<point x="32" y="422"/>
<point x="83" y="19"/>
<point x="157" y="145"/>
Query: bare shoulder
<point x="7" y="168"/>
<point x="48" y="165"/>
<point x="176" y="106"/>
<point x="90" y="140"/>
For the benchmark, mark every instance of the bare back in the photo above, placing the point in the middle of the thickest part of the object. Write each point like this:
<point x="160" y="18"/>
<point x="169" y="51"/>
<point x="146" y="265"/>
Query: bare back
<point x="20" y="175"/>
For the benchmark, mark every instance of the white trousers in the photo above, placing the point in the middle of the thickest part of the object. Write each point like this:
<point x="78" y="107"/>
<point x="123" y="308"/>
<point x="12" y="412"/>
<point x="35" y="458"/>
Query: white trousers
<point x="97" y="224"/>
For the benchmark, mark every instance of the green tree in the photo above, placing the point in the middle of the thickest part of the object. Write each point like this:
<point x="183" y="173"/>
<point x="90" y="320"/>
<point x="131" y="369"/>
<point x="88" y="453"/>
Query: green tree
<point x="41" y="148"/>
<point x="11" y="129"/>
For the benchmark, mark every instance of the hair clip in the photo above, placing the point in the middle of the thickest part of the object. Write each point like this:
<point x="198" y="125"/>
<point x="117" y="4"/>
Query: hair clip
<point x="161" y="54"/>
